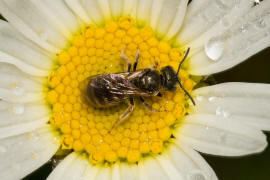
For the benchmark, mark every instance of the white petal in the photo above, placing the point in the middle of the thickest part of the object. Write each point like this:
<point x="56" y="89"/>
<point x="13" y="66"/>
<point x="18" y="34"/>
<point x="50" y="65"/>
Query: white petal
<point x="129" y="8"/>
<point x="90" y="172"/>
<point x="243" y="102"/>
<point x="22" y="113"/>
<point x="167" y="16"/>
<point x="29" y="69"/>
<point x="53" y="16"/>
<point x="169" y="168"/>
<point x="234" y="37"/>
<point x="116" y="172"/>
<point x="76" y="170"/>
<point x="155" y="13"/>
<point x="104" y="174"/>
<point x="63" y="167"/>
<point x="33" y="23"/>
<point x="178" y="19"/>
<point x="14" y="79"/>
<point x="144" y="8"/>
<point x="236" y="89"/>
<point x="212" y="135"/>
<point x="9" y="96"/>
<point x="129" y="172"/>
<point x="71" y="168"/>
<point x="203" y="16"/>
<point x="25" y="29"/>
<point x="93" y="10"/>
<point x="61" y="11"/>
<point x="14" y="44"/>
<point x="105" y="8"/>
<point x="3" y="105"/>
<point x="190" y="163"/>
<point x="22" y="154"/>
<point x="79" y="10"/>
<point x="21" y="128"/>
<point x="150" y="169"/>
<point x="116" y="7"/>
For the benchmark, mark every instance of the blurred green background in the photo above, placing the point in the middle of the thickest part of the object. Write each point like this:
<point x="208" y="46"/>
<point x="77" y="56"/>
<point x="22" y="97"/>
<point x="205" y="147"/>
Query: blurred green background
<point x="254" y="167"/>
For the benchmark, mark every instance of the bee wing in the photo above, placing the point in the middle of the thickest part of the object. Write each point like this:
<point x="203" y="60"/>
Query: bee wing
<point x="119" y="84"/>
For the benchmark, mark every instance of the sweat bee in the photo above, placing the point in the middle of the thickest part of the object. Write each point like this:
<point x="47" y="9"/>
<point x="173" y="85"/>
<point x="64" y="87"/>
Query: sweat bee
<point x="110" y="89"/>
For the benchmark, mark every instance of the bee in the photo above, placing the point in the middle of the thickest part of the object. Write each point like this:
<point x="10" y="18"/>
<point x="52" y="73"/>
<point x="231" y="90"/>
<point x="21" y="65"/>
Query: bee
<point x="106" y="90"/>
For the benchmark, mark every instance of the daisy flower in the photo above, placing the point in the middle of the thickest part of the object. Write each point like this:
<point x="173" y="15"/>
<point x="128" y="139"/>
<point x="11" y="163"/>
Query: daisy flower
<point x="49" y="47"/>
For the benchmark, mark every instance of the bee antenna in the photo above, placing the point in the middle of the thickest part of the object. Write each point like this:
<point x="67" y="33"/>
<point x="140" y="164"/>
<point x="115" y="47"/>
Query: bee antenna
<point x="190" y="97"/>
<point x="185" y="57"/>
<point x="181" y="86"/>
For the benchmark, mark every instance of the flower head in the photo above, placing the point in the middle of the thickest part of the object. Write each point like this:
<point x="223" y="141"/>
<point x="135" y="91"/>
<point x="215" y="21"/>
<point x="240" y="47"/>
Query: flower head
<point x="51" y="50"/>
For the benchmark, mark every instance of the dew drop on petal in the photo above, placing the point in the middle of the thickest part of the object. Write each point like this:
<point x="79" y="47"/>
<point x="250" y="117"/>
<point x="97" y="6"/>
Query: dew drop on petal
<point x="196" y="175"/>
<point x="17" y="90"/>
<point x="261" y="23"/>
<point x="36" y="138"/>
<point x="199" y="98"/>
<point x="226" y="114"/>
<point x="43" y="35"/>
<point x="243" y="29"/>
<point x="219" y="111"/>
<point x="56" y="140"/>
<point x="18" y="109"/>
<point x="214" y="48"/>
<point x="212" y="99"/>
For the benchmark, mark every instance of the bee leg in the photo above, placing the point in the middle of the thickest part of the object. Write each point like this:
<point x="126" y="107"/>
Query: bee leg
<point x="148" y="106"/>
<point x="136" y="61"/>
<point x="156" y="65"/>
<point x="124" y="56"/>
<point x="124" y="116"/>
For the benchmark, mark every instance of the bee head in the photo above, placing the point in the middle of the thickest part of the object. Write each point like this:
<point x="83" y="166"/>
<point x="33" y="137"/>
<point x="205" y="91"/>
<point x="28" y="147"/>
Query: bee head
<point x="169" y="78"/>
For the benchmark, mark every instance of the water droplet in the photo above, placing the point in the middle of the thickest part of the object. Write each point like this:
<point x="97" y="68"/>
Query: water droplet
<point x="3" y="149"/>
<point x="199" y="98"/>
<point x="43" y="35"/>
<point x="36" y="138"/>
<point x="18" y="109"/>
<point x="17" y="90"/>
<point x="212" y="99"/>
<point x="260" y="23"/>
<point x="243" y="29"/>
<point x="219" y="111"/>
<point x="226" y="114"/>
<point x="56" y="140"/>
<point x="214" y="48"/>
<point x="196" y="175"/>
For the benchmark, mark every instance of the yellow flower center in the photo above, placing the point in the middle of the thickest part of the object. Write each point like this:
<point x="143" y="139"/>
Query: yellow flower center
<point x="96" y="50"/>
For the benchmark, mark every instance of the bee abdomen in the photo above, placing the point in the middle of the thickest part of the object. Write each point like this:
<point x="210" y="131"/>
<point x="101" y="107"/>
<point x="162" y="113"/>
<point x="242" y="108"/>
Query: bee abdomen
<point x="99" y="95"/>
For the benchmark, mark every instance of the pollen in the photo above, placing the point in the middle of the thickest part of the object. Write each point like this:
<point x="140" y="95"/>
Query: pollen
<point x="96" y="50"/>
